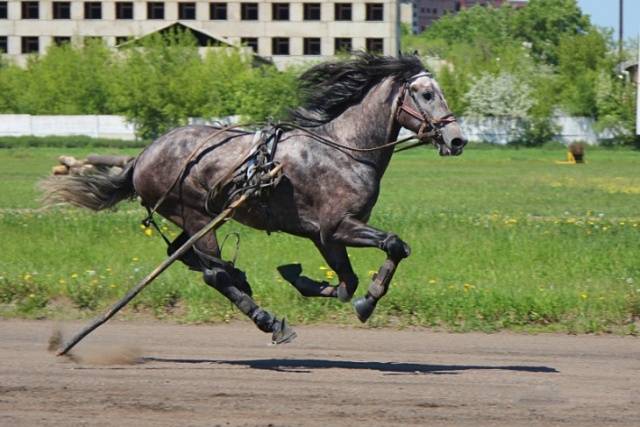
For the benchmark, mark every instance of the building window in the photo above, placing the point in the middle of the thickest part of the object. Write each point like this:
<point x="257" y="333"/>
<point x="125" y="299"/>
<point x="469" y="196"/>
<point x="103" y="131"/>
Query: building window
<point x="375" y="12"/>
<point x="124" y="10"/>
<point x="280" y="11"/>
<point x="92" y="10"/>
<point x="311" y="46"/>
<point x="155" y="10"/>
<point x="186" y="11"/>
<point x="30" y="10"/>
<point x="280" y="46"/>
<point x="3" y="10"/>
<point x="343" y="12"/>
<point x="375" y="45"/>
<point x="30" y="45"/>
<point x="3" y="44"/>
<point x="61" y="10"/>
<point x="92" y="40"/>
<point x="61" y="40"/>
<point x="311" y="12"/>
<point x="249" y="11"/>
<point x="218" y="11"/>
<point x="122" y="39"/>
<point x="251" y="42"/>
<point x="342" y="44"/>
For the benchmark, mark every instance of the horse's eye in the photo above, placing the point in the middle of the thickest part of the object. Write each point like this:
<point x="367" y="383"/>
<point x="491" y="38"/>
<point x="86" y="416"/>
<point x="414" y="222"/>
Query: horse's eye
<point x="428" y="96"/>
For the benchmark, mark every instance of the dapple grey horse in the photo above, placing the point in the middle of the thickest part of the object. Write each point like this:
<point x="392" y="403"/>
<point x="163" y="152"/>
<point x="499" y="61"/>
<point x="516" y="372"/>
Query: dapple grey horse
<point x="335" y="150"/>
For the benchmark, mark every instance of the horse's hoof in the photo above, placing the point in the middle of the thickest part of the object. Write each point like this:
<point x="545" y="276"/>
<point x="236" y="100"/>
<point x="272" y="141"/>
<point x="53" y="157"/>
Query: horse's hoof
<point x="343" y="293"/>
<point x="364" y="307"/>
<point x="290" y="272"/>
<point x="282" y="333"/>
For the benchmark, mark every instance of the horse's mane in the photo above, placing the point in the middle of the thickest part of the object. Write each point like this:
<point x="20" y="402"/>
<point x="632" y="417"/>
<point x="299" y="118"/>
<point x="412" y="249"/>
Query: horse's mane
<point x="331" y="87"/>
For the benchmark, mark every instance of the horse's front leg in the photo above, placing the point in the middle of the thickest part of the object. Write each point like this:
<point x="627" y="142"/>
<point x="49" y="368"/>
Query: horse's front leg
<point x="353" y="232"/>
<point x="335" y="254"/>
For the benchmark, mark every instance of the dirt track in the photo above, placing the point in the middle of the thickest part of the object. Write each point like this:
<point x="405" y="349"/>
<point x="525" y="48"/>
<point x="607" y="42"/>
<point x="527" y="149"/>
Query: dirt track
<point x="330" y="376"/>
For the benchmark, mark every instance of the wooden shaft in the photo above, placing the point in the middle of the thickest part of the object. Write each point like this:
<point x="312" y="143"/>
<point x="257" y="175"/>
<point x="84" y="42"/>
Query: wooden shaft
<point x="223" y="216"/>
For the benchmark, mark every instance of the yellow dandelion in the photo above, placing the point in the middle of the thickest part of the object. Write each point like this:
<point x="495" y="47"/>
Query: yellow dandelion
<point x="142" y="226"/>
<point x="74" y="275"/>
<point x="148" y="232"/>
<point x="62" y="281"/>
<point x="432" y="281"/>
<point x="27" y="277"/>
<point x="322" y="267"/>
<point x="112" y="286"/>
<point x="584" y="295"/>
<point x="371" y="273"/>
<point x="135" y="259"/>
<point x="329" y="274"/>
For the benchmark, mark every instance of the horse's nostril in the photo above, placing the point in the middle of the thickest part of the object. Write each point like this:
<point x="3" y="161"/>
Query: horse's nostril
<point x="458" y="143"/>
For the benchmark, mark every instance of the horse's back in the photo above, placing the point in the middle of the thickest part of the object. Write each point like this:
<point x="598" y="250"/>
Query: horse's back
<point x="187" y="154"/>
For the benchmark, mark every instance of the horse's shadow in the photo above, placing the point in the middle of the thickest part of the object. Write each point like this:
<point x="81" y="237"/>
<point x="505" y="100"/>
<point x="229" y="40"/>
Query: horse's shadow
<point x="387" y="368"/>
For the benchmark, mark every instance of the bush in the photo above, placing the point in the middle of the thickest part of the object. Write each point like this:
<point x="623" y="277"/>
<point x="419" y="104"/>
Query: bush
<point x="157" y="84"/>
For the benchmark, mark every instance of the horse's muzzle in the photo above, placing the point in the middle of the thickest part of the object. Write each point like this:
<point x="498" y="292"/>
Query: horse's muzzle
<point x="454" y="148"/>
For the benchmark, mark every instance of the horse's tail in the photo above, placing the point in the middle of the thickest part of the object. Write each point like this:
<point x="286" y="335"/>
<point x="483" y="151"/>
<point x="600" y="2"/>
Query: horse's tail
<point x="100" y="189"/>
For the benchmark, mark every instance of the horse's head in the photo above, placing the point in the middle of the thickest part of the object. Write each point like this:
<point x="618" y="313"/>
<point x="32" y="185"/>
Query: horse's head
<point x="422" y="109"/>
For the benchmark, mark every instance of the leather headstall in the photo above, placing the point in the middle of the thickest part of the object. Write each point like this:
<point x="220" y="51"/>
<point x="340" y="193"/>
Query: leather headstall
<point x="410" y="115"/>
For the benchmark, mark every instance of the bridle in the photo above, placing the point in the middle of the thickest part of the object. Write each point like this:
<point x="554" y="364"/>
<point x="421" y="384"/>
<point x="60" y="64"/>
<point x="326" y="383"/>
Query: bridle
<point x="415" y="117"/>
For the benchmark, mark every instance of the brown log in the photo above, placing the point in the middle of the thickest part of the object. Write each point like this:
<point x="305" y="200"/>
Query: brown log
<point x="81" y="169"/>
<point x="70" y="161"/>
<point x="100" y="160"/>
<point x="60" y="170"/>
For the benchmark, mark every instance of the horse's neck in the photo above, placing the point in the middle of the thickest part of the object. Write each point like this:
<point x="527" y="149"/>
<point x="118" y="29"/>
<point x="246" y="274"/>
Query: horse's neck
<point x="369" y="124"/>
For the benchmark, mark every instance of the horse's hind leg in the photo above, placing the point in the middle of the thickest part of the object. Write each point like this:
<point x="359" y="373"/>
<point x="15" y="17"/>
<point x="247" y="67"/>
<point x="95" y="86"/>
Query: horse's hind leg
<point x="221" y="280"/>
<point x="231" y="282"/>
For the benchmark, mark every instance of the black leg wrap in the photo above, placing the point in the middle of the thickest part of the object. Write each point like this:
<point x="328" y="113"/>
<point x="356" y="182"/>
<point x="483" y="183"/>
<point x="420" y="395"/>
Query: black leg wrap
<point x="239" y="280"/>
<point x="395" y="248"/>
<point x="364" y="306"/>
<point x="282" y="333"/>
<point x="263" y="320"/>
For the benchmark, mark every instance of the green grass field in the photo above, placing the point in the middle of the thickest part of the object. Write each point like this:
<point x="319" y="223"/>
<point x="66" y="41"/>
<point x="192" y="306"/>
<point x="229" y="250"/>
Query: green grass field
<point x="501" y="238"/>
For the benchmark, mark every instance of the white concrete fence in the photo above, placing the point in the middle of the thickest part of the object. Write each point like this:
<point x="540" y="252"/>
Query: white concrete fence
<point x="493" y="130"/>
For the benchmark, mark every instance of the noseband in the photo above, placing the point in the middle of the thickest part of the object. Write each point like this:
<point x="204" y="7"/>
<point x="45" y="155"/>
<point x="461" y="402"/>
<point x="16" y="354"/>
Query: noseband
<point x="415" y="117"/>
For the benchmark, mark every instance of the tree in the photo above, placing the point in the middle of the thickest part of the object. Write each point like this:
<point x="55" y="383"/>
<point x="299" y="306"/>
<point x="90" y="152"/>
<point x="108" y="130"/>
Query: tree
<point x="503" y="95"/>
<point x="544" y="22"/>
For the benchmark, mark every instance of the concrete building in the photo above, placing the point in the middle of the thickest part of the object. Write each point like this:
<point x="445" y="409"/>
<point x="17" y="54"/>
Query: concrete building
<point x="428" y="11"/>
<point x="285" y="32"/>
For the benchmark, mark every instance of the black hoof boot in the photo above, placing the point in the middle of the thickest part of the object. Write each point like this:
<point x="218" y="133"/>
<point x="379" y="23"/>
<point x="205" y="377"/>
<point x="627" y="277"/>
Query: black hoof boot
<point x="282" y="333"/>
<point x="290" y="272"/>
<point x="364" y="307"/>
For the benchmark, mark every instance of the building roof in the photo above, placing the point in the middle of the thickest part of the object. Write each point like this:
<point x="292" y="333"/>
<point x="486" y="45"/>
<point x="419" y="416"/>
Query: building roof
<point x="203" y="38"/>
